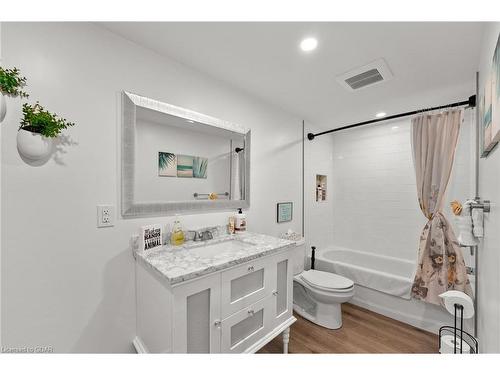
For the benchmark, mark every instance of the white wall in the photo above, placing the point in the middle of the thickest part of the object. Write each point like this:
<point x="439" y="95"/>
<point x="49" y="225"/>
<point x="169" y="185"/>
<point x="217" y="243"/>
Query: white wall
<point x="66" y="283"/>
<point x="152" y="137"/>
<point x="489" y="252"/>
<point x="318" y="159"/>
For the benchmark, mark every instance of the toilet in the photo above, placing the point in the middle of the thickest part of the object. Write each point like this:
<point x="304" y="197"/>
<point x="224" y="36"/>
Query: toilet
<point x="318" y="295"/>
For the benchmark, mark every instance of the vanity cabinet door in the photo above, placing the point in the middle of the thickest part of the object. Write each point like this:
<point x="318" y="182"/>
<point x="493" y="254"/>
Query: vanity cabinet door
<point x="246" y="284"/>
<point x="244" y="329"/>
<point x="283" y="304"/>
<point x="196" y="311"/>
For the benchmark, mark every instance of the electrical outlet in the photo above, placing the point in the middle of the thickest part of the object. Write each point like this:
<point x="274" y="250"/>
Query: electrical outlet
<point x="105" y="216"/>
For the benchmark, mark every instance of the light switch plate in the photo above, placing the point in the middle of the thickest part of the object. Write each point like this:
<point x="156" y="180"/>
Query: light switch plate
<point x="105" y="216"/>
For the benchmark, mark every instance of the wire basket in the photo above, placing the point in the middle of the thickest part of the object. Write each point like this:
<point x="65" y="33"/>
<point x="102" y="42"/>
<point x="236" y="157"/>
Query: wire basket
<point x="459" y="336"/>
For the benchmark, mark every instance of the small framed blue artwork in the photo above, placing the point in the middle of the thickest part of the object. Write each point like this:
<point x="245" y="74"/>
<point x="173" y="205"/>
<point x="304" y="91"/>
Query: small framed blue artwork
<point x="284" y="212"/>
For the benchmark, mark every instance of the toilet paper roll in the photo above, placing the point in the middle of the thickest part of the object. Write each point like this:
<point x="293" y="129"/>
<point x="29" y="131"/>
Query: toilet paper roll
<point x="448" y="344"/>
<point x="452" y="297"/>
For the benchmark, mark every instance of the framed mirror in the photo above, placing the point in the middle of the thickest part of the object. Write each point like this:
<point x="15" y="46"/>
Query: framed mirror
<point x="174" y="160"/>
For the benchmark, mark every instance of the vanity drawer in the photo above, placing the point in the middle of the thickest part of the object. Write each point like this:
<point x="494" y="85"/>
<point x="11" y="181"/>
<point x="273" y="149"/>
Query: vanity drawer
<point x="246" y="284"/>
<point x="242" y="330"/>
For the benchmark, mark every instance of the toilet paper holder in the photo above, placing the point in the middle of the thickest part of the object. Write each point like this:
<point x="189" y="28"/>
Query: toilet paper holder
<point x="459" y="335"/>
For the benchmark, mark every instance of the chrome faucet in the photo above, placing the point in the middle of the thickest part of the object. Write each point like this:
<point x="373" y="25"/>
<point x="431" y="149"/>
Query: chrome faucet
<point x="204" y="234"/>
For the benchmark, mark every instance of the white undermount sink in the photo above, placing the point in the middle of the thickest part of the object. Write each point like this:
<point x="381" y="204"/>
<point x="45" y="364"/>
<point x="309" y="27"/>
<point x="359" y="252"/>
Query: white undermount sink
<point x="210" y="250"/>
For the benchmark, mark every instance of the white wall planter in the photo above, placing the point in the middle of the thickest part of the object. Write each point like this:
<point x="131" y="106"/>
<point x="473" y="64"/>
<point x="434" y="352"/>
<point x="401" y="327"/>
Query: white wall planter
<point x="33" y="146"/>
<point x="3" y="107"/>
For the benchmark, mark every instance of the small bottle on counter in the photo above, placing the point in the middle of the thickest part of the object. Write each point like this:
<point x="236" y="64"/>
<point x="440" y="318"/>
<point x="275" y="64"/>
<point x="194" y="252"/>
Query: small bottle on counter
<point x="240" y="221"/>
<point x="230" y="227"/>
<point x="177" y="236"/>
<point x="319" y="193"/>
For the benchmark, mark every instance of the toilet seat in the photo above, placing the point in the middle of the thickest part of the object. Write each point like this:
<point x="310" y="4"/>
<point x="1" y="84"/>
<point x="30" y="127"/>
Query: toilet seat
<point x="318" y="296"/>
<point x="327" y="281"/>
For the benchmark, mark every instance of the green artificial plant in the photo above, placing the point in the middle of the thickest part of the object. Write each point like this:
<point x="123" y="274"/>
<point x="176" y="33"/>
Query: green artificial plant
<point x="11" y="82"/>
<point x="37" y="120"/>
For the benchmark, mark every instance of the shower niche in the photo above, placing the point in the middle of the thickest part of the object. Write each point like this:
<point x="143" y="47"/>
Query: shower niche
<point x="321" y="188"/>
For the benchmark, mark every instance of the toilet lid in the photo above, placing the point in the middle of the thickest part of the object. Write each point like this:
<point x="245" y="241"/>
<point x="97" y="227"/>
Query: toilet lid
<point x="326" y="280"/>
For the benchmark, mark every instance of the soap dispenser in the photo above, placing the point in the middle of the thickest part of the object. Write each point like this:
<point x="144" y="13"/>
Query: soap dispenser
<point x="240" y="221"/>
<point x="177" y="236"/>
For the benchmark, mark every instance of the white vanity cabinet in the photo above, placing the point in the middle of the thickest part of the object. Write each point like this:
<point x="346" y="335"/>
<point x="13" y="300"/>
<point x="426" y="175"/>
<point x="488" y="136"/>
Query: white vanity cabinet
<point x="256" y="303"/>
<point x="196" y="308"/>
<point x="234" y="310"/>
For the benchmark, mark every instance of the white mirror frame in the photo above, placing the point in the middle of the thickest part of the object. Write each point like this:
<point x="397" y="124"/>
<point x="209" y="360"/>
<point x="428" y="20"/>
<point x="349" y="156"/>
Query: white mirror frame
<point x="129" y="207"/>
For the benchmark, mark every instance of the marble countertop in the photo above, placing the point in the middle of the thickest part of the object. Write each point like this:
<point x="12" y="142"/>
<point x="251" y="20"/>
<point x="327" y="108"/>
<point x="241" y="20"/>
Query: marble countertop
<point x="181" y="263"/>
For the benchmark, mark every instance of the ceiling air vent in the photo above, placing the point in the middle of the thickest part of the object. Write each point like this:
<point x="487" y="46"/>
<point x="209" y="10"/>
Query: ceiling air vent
<point x="367" y="75"/>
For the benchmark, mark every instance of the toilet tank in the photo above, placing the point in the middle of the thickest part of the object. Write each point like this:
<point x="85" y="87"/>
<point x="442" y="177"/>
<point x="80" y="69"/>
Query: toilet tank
<point x="299" y="256"/>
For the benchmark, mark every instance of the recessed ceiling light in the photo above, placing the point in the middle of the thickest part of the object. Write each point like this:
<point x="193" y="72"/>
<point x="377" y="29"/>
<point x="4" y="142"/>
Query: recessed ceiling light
<point x="395" y="127"/>
<point x="380" y="115"/>
<point x="308" y="44"/>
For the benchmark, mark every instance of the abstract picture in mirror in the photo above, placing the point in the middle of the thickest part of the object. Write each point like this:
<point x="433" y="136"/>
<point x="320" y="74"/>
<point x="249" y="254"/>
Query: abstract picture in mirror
<point x="171" y="165"/>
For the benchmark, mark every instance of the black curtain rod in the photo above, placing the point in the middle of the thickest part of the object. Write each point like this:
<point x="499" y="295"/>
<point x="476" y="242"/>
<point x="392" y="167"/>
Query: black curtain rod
<point x="471" y="102"/>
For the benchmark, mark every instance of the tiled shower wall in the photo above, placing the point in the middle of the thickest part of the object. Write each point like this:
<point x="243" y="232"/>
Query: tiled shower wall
<point x="373" y="189"/>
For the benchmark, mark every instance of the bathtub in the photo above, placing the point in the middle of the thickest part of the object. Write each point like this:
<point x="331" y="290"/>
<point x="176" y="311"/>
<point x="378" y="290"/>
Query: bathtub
<point x="383" y="285"/>
<point x="386" y="274"/>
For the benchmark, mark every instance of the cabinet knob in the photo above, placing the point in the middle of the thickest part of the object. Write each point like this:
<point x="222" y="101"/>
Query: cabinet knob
<point x="250" y="268"/>
<point x="217" y="324"/>
<point x="250" y="312"/>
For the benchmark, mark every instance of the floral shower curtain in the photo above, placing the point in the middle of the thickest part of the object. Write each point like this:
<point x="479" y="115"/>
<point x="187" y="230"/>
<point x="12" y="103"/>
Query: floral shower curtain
<point x="441" y="265"/>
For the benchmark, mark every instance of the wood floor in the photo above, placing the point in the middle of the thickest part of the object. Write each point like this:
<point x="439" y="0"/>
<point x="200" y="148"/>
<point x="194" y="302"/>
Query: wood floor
<point x="363" y="331"/>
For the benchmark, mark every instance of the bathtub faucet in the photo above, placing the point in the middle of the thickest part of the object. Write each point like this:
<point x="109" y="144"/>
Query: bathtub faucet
<point x="313" y="256"/>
